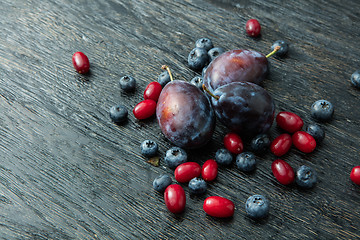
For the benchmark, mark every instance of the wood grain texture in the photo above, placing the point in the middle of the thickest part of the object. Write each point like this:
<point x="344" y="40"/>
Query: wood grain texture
<point x="67" y="172"/>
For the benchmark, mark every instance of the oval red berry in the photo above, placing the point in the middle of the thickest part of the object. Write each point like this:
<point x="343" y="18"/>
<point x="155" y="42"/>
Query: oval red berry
<point x="283" y="172"/>
<point x="281" y="144"/>
<point x="289" y="121"/>
<point x="209" y="170"/>
<point x="253" y="28"/>
<point x="219" y="207"/>
<point x="175" y="199"/>
<point x="152" y="91"/>
<point x="233" y="143"/>
<point x="304" y="141"/>
<point x="145" y="109"/>
<point x="355" y="175"/>
<point x="187" y="171"/>
<point x="81" y="62"/>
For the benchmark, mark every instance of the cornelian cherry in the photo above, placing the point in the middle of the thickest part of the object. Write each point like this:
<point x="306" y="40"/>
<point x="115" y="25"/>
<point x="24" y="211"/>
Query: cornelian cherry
<point x="175" y="199"/>
<point x="283" y="172"/>
<point x="152" y="91"/>
<point x="81" y="62"/>
<point x="355" y="175"/>
<point x="233" y="143"/>
<point x="289" y="121"/>
<point x="187" y="171"/>
<point x="145" y="109"/>
<point x="253" y="28"/>
<point x="281" y="144"/>
<point x="219" y="207"/>
<point x="304" y="141"/>
<point x="209" y="170"/>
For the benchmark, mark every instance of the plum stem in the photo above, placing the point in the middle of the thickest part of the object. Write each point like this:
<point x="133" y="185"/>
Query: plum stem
<point x="277" y="48"/>
<point x="166" y="67"/>
<point x="210" y="93"/>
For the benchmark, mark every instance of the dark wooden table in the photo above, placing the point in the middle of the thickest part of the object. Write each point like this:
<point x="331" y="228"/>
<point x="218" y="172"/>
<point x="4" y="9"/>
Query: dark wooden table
<point x="68" y="172"/>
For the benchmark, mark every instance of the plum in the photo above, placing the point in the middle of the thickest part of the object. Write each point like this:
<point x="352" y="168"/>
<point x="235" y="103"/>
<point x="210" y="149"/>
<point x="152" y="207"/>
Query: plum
<point x="244" y="107"/>
<point x="185" y="115"/>
<point x="237" y="65"/>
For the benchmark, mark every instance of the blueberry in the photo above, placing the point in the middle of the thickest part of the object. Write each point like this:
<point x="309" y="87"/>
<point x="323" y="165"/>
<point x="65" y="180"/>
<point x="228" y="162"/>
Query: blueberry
<point x="198" y="82"/>
<point x="204" y="43"/>
<point x="322" y="110"/>
<point x="175" y="156"/>
<point x="149" y="148"/>
<point x="316" y="131"/>
<point x="197" y="186"/>
<point x="223" y="157"/>
<point x="161" y="182"/>
<point x="305" y="177"/>
<point x="198" y="58"/>
<point x="257" y="206"/>
<point x="355" y="79"/>
<point x="215" y="52"/>
<point x="127" y="83"/>
<point x="260" y="143"/>
<point x="118" y="113"/>
<point x="164" y="78"/>
<point x="284" y="48"/>
<point x="246" y="161"/>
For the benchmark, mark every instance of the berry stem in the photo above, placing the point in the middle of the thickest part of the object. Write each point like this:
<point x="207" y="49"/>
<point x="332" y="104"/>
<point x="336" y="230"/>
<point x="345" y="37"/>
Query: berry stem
<point x="166" y="67"/>
<point x="210" y="93"/>
<point x="273" y="52"/>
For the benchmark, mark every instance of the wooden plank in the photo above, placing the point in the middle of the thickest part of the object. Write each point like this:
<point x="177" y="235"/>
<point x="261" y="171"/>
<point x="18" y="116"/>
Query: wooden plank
<point x="67" y="172"/>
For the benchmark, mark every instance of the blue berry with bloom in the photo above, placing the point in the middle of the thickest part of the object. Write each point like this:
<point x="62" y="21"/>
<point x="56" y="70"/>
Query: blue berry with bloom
<point x="162" y="182"/>
<point x="149" y="148"/>
<point x="175" y="156"/>
<point x="197" y="186"/>
<point x="223" y="156"/>
<point x="257" y="206"/>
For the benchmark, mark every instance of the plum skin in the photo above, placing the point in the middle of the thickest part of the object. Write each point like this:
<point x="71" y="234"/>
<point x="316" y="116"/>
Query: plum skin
<point x="185" y="115"/>
<point x="244" y="107"/>
<point x="238" y="65"/>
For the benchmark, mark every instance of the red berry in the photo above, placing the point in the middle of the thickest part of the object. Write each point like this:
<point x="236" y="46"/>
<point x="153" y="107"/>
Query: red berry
<point x="187" y="171"/>
<point x="304" y="141"/>
<point x="175" y="199"/>
<point x="355" y="175"/>
<point x="281" y="144"/>
<point x="152" y="91"/>
<point x="220" y="207"/>
<point x="289" y="121"/>
<point x="253" y="28"/>
<point x="233" y="143"/>
<point x="283" y="172"/>
<point x="209" y="170"/>
<point x="81" y="62"/>
<point x="145" y="109"/>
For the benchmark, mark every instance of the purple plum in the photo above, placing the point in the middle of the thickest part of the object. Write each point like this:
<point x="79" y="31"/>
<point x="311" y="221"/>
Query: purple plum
<point x="244" y="107"/>
<point x="237" y="65"/>
<point x="185" y="115"/>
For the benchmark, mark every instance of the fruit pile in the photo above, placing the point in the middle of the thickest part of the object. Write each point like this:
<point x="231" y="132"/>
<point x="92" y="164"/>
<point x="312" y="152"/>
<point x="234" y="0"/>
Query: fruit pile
<point x="230" y="91"/>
